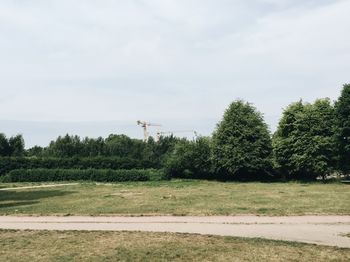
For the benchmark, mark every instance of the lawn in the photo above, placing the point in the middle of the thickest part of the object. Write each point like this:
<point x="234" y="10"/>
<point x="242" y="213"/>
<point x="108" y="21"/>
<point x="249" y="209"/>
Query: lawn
<point x="178" y="197"/>
<point x="140" y="246"/>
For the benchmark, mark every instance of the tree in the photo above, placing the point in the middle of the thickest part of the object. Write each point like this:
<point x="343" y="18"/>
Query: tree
<point x="241" y="147"/>
<point x="4" y="146"/>
<point x="118" y="145"/>
<point x="190" y="159"/>
<point x="16" y="144"/>
<point x="93" y="147"/>
<point x="35" y="151"/>
<point x="157" y="151"/>
<point x="304" y="143"/>
<point x="284" y="139"/>
<point x="342" y="110"/>
<point x="66" y="146"/>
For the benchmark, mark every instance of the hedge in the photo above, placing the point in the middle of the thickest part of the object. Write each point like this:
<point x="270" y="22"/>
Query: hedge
<point x="12" y="163"/>
<point x="98" y="175"/>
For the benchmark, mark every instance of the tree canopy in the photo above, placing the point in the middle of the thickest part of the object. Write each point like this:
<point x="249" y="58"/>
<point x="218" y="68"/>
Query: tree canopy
<point x="304" y="143"/>
<point x="241" y="144"/>
<point x="342" y="109"/>
<point x="13" y="146"/>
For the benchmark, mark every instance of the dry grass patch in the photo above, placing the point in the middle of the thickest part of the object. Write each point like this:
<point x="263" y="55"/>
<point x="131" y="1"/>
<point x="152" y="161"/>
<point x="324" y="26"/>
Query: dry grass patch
<point x="179" y="197"/>
<point x="137" y="246"/>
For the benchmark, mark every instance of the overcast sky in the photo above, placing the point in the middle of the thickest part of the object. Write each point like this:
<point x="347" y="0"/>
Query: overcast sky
<point x="94" y="67"/>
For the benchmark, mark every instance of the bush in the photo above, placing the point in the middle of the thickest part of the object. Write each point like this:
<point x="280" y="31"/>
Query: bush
<point x="11" y="163"/>
<point x="98" y="175"/>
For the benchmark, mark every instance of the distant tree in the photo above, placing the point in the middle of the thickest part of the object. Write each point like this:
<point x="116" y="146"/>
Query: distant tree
<point x="16" y="144"/>
<point x="35" y="151"/>
<point x="13" y="146"/>
<point x="5" y="149"/>
<point x="159" y="150"/>
<point x="164" y="145"/>
<point x="148" y="151"/>
<point x="241" y="144"/>
<point x="118" y="145"/>
<point x="93" y="147"/>
<point x="304" y="143"/>
<point x="342" y="109"/>
<point x="66" y="146"/>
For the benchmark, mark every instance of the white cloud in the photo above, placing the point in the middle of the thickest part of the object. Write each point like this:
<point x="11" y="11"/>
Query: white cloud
<point x="167" y="59"/>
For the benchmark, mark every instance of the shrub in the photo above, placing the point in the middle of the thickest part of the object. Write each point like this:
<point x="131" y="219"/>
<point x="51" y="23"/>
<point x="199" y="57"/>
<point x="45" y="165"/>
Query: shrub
<point x="98" y="175"/>
<point x="11" y="163"/>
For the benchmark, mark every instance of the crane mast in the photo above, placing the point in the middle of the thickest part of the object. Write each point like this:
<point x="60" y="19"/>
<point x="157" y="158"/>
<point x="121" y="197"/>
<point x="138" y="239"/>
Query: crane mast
<point x="146" y="135"/>
<point x="145" y="125"/>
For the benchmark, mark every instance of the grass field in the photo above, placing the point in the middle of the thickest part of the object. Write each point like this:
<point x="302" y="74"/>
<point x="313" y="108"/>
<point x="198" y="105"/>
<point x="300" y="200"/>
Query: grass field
<point x="137" y="246"/>
<point x="178" y="197"/>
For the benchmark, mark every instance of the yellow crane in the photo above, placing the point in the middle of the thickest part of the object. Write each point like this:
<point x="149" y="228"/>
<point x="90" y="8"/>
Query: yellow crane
<point x="145" y="125"/>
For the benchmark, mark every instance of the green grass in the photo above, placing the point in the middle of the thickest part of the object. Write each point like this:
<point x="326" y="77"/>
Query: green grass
<point x="178" y="197"/>
<point x="141" y="246"/>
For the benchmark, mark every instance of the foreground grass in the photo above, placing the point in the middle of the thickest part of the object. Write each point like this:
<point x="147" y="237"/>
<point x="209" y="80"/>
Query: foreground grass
<point x="178" y="197"/>
<point x="137" y="246"/>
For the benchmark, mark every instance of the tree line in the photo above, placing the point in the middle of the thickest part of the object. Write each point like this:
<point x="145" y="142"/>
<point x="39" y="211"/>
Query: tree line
<point x="312" y="140"/>
<point x="72" y="152"/>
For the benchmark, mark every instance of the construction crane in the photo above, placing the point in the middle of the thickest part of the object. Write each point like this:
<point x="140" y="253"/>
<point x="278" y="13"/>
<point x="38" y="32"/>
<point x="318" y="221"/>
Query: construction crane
<point x="145" y="126"/>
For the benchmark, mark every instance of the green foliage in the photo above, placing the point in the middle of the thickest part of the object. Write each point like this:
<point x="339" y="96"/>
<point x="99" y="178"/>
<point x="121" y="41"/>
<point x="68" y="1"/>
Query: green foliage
<point x="4" y="146"/>
<point x="157" y="152"/>
<point x="35" y="151"/>
<point x="342" y="109"/>
<point x="158" y="175"/>
<point x="16" y="144"/>
<point x="151" y="153"/>
<point x="98" y="175"/>
<point x="69" y="146"/>
<point x="241" y="145"/>
<point x="304" y="143"/>
<point x="13" y="146"/>
<point x="190" y="159"/>
<point x="92" y="147"/>
<point x="284" y="139"/>
<point x="121" y="145"/>
<point x="11" y="163"/>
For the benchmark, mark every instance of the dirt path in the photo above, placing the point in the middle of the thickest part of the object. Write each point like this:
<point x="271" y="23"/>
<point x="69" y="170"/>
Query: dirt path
<point x="41" y="186"/>
<point x="322" y="230"/>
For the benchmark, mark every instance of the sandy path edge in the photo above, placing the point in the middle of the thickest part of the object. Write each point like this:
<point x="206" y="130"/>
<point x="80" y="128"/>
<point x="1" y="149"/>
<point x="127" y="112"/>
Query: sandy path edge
<point x="322" y="230"/>
<point x="241" y="219"/>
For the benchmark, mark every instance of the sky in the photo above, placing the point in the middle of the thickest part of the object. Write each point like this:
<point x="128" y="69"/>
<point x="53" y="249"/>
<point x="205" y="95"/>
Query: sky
<point x="92" y="67"/>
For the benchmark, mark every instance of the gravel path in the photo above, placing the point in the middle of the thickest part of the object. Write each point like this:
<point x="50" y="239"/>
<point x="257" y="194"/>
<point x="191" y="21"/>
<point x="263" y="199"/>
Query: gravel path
<point x="322" y="230"/>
